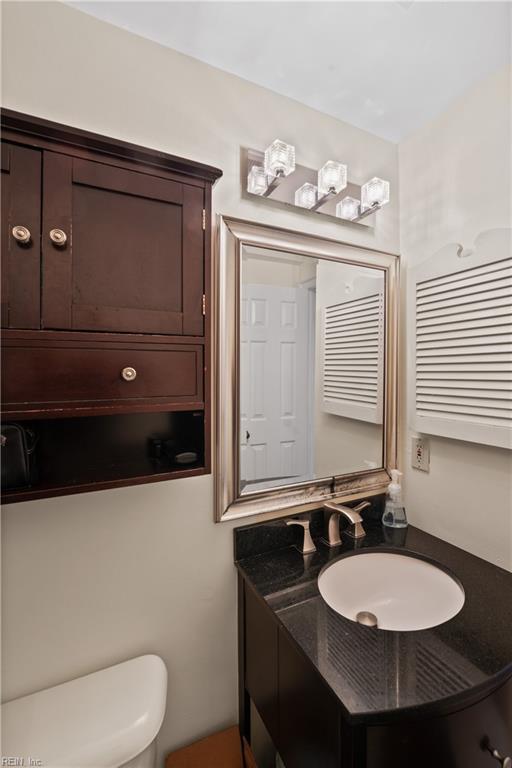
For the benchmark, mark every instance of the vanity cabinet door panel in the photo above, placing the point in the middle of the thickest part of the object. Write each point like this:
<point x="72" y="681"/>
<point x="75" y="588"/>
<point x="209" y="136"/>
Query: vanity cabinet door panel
<point x="453" y="741"/>
<point x="133" y="258"/>
<point x="261" y="678"/>
<point x="21" y="261"/>
<point x="309" y="717"/>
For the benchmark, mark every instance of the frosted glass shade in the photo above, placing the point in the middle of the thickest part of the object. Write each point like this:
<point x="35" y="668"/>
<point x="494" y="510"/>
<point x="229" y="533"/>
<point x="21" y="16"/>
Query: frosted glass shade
<point x="374" y="192"/>
<point x="279" y="159"/>
<point x="348" y="208"/>
<point x="306" y="196"/>
<point x="332" y="177"/>
<point x="257" y="180"/>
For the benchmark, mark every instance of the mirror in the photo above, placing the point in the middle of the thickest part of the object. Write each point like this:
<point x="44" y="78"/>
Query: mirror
<point x="306" y="360"/>
<point x="311" y="351"/>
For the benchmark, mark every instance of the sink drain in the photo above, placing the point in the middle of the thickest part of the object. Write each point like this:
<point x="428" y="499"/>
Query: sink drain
<point x="367" y="618"/>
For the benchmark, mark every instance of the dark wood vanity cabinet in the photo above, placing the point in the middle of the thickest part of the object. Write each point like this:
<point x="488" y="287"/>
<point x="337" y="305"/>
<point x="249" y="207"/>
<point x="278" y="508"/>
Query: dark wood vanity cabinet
<point x="309" y="721"/>
<point x="105" y="289"/>
<point x="261" y="661"/>
<point x="452" y="741"/>
<point x="306" y="721"/>
<point x="300" y="713"/>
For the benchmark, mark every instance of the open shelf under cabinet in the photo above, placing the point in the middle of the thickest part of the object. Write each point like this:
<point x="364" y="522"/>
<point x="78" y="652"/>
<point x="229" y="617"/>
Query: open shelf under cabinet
<point x="87" y="453"/>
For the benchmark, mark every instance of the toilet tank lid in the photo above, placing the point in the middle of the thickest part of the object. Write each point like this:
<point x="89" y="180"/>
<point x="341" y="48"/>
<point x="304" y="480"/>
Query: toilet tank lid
<point x="101" y="720"/>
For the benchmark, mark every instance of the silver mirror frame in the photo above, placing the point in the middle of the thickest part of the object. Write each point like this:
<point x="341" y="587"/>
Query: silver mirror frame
<point x="232" y="235"/>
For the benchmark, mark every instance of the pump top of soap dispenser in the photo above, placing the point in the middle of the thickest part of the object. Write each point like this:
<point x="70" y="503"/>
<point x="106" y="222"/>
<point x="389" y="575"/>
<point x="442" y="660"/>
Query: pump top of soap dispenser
<point x="394" y="512"/>
<point x="394" y="488"/>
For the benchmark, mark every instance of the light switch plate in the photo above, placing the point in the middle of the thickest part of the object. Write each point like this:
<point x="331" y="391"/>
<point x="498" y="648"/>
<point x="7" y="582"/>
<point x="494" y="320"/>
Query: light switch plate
<point x="420" y="454"/>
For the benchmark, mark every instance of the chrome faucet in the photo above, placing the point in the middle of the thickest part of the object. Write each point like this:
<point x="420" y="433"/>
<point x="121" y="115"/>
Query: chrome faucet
<point x="356" y="530"/>
<point x="308" y="545"/>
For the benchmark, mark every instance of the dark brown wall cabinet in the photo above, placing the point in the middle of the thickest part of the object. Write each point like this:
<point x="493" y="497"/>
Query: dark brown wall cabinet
<point x="21" y="236"/>
<point x="306" y="721"/>
<point x="133" y="259"/>
<point x="105" y="295"/>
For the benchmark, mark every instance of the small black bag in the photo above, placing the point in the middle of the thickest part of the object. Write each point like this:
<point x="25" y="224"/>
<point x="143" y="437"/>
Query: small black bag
<point x="18" y="445"/>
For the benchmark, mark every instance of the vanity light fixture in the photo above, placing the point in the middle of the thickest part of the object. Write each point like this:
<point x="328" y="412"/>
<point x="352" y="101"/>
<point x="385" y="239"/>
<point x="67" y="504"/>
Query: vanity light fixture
<point x="332" y="178"/>
<point x="257" y="182"/>
<point x="279" y="159"/>
<point x="348" y="209"/>
<point x="278" y="162"/>
<point x="374" y="193"/>
<point x="268" y="171"/>
<point x="306" y="196"/>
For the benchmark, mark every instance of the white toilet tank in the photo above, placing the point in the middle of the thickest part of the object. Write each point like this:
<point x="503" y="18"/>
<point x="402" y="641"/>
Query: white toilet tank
<point x="107" y="719"/>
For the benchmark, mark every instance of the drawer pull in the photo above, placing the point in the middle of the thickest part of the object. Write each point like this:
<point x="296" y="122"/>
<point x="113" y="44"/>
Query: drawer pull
<point x="129" y="374"/>
<point x="21" y="234"/>
<point x="58" y="237"/>
<point x="505" y="762"/>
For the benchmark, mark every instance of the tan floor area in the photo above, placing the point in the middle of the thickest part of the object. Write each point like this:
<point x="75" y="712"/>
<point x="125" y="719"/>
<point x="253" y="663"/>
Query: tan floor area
<point x="221" y="750"/>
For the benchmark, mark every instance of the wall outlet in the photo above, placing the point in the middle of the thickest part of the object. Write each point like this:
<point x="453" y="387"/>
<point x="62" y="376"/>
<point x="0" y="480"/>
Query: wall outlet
<point x="420" y="454"/>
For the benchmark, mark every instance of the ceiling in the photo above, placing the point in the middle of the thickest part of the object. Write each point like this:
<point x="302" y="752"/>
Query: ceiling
<point x="386" y="67"/>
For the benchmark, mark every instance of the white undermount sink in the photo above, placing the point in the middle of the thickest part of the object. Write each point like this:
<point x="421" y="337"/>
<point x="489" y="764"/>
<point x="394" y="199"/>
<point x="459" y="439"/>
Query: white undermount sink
<point x="391" y="591"/>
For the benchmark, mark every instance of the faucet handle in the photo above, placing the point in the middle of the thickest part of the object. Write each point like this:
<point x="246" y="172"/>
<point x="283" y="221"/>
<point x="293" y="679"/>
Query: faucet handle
<point x="308" y="545"/>
<point x="362" y="505"/>
<point x="356" y="530"/>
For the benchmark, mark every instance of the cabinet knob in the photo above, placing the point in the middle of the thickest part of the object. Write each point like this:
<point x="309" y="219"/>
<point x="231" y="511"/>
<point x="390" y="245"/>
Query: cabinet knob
<point x="21" y="234"/>
<point x="58" y="237"/>
<point x="505" y="762"/>
<point x="129" y="374"/>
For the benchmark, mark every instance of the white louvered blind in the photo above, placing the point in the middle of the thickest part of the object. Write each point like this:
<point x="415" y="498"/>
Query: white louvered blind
<point x="353" y="353"/>
<point x="463" y="353"/>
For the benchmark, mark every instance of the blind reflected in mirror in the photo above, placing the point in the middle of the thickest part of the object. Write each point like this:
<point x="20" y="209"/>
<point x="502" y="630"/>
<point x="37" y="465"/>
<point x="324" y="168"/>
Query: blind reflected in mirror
<point x="311" y="368"/>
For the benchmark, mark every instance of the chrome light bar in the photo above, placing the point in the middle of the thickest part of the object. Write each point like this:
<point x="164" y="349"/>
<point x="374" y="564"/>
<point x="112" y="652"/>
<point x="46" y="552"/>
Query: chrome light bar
<point x="264" y="178"/>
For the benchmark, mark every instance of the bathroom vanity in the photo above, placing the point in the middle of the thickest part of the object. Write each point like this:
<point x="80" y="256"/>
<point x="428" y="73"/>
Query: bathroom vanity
<point x="337" y="694"/>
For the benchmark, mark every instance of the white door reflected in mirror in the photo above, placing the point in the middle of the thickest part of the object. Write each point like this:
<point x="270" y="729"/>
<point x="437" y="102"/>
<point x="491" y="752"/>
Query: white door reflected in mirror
<point x="311" y="368"/>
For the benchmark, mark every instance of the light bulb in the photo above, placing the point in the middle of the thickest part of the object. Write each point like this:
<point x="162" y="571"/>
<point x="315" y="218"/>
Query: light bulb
<point x="306" y="196"/>
<point x="279" y="159"/>
<point x="374" y="192"/>
<point x="348" y="209"/>
<point x="257" y="180"/>
<point x="332" y="177"/>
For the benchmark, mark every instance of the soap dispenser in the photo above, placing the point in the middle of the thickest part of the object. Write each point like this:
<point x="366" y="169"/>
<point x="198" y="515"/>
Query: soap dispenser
<point x="394" y="512"/>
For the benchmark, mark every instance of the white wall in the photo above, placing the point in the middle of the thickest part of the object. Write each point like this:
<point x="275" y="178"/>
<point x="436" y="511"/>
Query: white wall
<point x="455" y="181"/>
<point x="92" y="579"/>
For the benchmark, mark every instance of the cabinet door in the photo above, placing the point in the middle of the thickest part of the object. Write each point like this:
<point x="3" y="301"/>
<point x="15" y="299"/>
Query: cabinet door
<point x="261" y="661"/>
<point x="454" y="741"/>
<point x="309" y="718"/>
<point x="132" y="260"/>
<point x="21" y="216"/>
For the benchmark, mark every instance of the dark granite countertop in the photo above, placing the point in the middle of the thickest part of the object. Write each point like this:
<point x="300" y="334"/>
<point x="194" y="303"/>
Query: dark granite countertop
<point x="379" y="675"/>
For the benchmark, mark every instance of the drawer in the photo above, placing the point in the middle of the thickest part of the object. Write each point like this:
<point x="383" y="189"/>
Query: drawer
<point x="454" y="741"/>
<point x="108" y="372"/>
